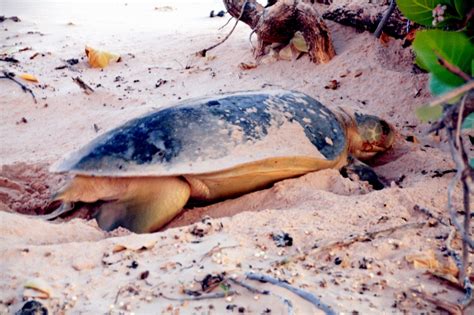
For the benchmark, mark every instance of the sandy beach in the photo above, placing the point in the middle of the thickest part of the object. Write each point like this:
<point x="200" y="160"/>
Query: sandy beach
<point x="90" y="271"/>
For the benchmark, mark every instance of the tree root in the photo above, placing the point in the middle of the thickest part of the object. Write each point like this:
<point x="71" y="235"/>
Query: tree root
<point x="392" y="22"/>
<point x="279" y="22"/>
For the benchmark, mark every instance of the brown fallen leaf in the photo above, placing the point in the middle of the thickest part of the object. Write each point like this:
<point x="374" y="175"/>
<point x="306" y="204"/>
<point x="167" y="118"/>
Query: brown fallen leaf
<point x="247" y="66"/>
<point x="99" y="58"/>
<point x="28" y="77"/>
<point x="134" y="245"/>
<point x="441" y="267"/>
<point x="384" y="39"/>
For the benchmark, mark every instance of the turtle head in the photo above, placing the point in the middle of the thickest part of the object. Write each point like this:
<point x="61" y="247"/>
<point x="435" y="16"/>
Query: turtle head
<point x="369" y="135"/>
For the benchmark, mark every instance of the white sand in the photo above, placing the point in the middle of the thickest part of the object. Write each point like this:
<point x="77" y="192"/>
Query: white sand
<point x="76" y="259"/>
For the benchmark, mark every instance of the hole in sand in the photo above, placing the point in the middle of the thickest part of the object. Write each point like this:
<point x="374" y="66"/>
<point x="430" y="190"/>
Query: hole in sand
<point x="27" y="189"/>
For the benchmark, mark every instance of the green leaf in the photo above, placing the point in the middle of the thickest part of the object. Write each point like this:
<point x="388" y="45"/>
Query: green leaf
<point x="454" y="47"/>
<point x="429" y="113"/>
<point x="468" y="122"/>
<point x="420" y="11"/>
<point x="438" y="87"/>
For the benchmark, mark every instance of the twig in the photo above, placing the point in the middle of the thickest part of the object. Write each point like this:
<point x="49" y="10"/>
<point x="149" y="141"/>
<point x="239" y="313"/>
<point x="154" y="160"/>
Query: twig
<point x="86" y="88"/>
<point x="385" y="18"/>
<point x="118" y="294"/>
<point x="464" y="280"/>
<point x="452" y="68"/>
<point x="456" y="179"/>
<point x="451" y="251"/>
<point x="204" y="51"/>
<point x="9" y="59"/>
<point x="252" y="289"/>
<point x="452" y="94"/>
<point x="301" y="293"/>
<point x="215" y="249"/>
<point x="429" y="214"/>
<point x="230" y="19"/>
<point x="368" y="236"/>
<point x="451" y="122"/>
<point x="218" y="295"/>
<point x="451" y="308"/>
<point x="10" y="76"/>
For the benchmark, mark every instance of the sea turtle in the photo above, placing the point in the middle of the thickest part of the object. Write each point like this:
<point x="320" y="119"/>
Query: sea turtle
<point x="142" y="173"/>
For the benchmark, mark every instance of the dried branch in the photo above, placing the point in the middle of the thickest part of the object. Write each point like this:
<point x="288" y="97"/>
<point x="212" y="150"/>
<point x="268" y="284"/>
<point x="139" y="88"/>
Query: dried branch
<point x="9" y="59"/>
<point x="368" y="236"/>
<point x="218" y="295"/>
<point x="204" y="51"/>
<point x="85" y="87"/>
<point x="463" y="174"/>
<point x="452" y="68"/>
<point x="384" y="20"/>
<point x="10" y="76"/>
<point x="430" y="214"/>
<point x="252" y="289"/>
<point x="228" y="21"/>
<point x="451" y="308"/>
<point x="451" y="122"/>
<point x="217" y="248"/>
<point x="443" y="99"/>
<point x="301" y="293"/>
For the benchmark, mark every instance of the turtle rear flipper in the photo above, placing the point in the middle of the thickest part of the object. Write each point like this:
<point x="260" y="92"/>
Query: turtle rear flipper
<point x="140" y="204"/>
<point x="365" y="173"/>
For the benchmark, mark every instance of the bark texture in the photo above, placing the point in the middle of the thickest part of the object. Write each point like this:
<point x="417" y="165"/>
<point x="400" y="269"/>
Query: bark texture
<point x="280" y="20"/>
<point x="366" y="17"/>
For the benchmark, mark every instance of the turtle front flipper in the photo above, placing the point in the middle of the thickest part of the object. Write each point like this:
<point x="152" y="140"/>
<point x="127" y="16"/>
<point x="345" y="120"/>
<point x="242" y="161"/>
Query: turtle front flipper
<point x="363" y="172"/>
<point x="140" y="204"/>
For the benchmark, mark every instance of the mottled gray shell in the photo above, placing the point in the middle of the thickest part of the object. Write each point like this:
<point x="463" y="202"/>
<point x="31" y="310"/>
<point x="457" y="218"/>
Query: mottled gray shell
<point x="212" y="134"/>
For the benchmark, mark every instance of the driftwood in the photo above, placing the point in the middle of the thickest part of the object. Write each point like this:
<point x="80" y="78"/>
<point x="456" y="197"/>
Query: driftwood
<point x="368" y="17"/>
<point x="280" y="20"/>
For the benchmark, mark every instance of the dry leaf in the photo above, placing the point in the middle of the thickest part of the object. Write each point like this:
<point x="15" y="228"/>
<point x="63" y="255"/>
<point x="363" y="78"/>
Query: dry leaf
<point x="171" y="265"/>
<point x="384" y="39"/>
<point x="410" y="37"/>
<point x="299" y="43"/>
<point x="444" y="268"/>
<point x="28" y="77"/>
<point x="134" y="245"/>
<point x="40" y="286"/>
<point x="247" y="66"/>
<point x="286" y="53"/>
<point x="99" y="58"/>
